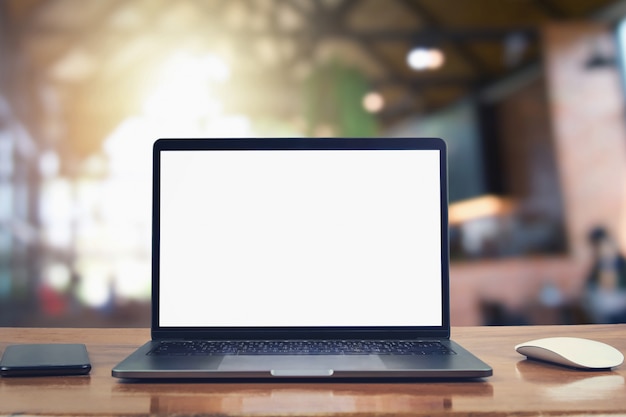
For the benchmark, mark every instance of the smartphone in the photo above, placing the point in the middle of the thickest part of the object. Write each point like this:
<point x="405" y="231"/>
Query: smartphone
<point x="45" y="359"/>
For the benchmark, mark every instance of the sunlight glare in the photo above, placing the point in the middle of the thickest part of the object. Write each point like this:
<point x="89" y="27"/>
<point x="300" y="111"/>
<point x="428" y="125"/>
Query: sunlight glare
<point x="183" y="103"/>
<point x="184" y="88"/>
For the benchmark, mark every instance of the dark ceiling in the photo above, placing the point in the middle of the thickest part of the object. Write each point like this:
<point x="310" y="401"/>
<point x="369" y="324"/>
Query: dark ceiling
<point x="84" y="63"/>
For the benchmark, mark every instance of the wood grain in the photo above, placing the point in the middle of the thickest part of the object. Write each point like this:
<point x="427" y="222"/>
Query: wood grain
<point x="518" y="386"/>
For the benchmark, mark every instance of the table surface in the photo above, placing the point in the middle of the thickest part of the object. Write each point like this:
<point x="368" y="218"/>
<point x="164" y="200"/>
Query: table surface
<point x="518" y="386"/>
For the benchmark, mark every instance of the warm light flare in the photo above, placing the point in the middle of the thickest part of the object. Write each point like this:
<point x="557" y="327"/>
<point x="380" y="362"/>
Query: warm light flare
<point x="479" y="207"/>
<point x="373" y="102"/>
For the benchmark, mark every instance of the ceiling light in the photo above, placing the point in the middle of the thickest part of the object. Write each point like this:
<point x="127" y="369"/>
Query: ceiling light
<point x="373" y="102"/>
<point x="421" y="59"/>
<point x="599" y="58"/>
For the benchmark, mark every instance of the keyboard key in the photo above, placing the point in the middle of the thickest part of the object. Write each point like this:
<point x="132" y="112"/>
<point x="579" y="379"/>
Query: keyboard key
<point x="301" y="347"/>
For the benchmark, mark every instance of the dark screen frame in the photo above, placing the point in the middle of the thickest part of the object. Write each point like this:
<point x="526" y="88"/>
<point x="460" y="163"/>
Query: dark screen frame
<point x="233" y="333"/>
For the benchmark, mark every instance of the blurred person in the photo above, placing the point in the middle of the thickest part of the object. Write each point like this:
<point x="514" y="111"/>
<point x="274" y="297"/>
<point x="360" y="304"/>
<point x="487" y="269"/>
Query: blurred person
<point x="605" y="289"/>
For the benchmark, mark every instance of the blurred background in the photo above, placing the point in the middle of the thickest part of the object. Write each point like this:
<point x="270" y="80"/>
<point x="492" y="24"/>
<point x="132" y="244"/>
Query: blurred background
<point x="529" y="95"/>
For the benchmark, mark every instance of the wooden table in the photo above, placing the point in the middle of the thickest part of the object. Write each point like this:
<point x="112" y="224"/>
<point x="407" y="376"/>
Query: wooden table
<point x="518" y="386"/>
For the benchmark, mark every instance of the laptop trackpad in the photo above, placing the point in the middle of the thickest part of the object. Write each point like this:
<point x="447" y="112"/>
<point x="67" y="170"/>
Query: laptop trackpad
<point x="313" y="364"/>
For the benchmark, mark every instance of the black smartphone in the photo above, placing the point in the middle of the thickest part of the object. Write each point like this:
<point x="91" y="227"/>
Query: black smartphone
<point x="45" y="359"/>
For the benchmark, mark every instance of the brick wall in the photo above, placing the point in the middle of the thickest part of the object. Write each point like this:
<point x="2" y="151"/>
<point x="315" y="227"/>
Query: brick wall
<point x="587" y="118"/>
<point x="587" y="107"/>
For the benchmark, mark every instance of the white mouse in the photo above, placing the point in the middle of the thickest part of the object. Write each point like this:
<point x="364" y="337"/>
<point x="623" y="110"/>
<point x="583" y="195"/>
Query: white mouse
<point x="572" y="351"/>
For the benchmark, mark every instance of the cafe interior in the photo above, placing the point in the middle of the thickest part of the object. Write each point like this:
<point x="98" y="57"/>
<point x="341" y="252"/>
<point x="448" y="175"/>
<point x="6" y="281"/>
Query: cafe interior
<point x="530" y="96"/>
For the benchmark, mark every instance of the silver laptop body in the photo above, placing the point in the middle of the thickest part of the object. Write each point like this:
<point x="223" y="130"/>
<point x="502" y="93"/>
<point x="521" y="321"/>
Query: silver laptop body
<point x="294" y="239"/>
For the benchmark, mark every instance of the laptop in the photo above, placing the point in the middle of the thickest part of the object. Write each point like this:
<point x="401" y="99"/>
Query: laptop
<point x="299" y="258"/>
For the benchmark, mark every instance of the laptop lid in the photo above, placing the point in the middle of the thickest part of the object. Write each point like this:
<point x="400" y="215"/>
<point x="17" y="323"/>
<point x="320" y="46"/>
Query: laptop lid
<point x="300" y="237"/>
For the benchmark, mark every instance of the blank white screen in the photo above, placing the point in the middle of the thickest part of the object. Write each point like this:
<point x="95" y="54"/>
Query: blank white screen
<point x="300" y="238"/>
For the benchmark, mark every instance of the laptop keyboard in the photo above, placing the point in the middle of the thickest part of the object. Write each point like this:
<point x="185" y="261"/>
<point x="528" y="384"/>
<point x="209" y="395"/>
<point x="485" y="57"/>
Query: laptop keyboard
<point x="301" y="347"/>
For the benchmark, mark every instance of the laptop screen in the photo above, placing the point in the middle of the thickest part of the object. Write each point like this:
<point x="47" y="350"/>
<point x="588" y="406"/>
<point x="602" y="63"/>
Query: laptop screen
<point x="300" y="237"/>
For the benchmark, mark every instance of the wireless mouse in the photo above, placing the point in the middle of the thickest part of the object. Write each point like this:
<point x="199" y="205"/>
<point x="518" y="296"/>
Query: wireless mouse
<point x="572" y="351"/>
